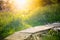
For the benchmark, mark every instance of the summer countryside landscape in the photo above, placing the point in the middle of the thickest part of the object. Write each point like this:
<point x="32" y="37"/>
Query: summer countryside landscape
<point x="29" y="19"/>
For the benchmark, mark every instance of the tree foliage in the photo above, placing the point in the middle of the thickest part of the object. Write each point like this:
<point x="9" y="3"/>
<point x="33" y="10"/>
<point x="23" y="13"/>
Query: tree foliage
<point x="48" y="14"/>
<point x="9" y="22"/>
<point x="6" y="5"/>
<point x="48" y="2"/>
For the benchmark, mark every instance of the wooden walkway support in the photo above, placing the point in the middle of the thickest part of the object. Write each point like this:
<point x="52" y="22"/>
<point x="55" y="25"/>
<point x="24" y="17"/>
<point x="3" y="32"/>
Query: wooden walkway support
<point x="32" y="33"/>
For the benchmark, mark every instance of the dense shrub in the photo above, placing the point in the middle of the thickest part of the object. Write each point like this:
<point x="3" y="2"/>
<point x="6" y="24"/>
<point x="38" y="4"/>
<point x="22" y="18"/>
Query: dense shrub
<point x="51" y="35"/>
<point x="45" y="15"/>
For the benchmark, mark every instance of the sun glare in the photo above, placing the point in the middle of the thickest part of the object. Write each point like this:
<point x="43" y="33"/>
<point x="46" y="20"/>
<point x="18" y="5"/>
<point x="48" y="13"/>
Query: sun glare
<point x="21" y="4"/>
<point x="25" y="4"/>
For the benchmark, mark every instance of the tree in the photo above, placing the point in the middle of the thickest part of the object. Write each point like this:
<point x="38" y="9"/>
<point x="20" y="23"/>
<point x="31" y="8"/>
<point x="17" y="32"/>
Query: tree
<point x="6" y="5"/>
<point x="1" y="4"/>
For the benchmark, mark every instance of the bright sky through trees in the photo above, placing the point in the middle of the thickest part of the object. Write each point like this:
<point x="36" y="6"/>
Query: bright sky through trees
<point x="26" y="5"/>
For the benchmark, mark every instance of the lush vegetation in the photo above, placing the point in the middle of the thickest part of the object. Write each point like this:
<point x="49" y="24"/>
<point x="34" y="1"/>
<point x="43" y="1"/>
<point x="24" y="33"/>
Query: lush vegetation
<point x="51" y="35"/>
<point x="45" y="15"/>
<point x="11" y="22"/>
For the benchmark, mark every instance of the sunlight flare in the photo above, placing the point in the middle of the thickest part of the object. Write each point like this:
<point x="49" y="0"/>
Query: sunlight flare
<point x="26" y="5"/>
<point x="21" y="4"/>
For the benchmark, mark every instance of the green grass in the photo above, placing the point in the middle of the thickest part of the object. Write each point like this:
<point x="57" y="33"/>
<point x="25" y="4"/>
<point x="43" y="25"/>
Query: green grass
<point x="51" y="35"/>
<point x="10" y="23"/>
<point x="45" y="15"/>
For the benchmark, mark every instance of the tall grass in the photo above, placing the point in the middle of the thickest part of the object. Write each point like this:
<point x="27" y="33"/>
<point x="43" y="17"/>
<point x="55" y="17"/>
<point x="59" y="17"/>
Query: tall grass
<point x="51" y="35"/>
<point x="45" y="15"/>
<point x="10" y="22"/>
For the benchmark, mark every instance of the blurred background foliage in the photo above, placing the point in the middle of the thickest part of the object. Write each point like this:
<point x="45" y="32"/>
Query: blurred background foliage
<point x="45" y="15"/>
<point x="11" y="22"/>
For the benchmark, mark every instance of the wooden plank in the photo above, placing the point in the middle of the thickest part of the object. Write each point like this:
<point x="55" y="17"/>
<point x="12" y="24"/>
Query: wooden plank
<point x="37" y="29"/>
